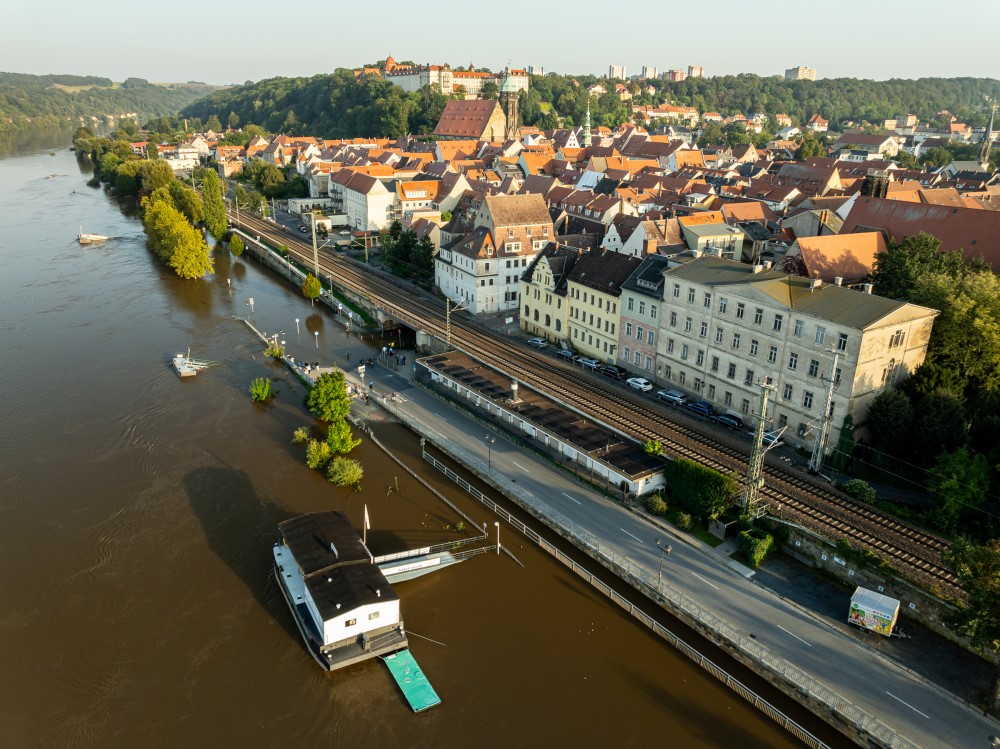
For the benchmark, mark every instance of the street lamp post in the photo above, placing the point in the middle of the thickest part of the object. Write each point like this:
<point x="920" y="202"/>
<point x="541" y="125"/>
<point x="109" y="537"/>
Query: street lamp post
<point x="297" y="332"/>
<point x="316" y="336"/>
<point x="497" y="526"/>
<point x="664" y="550"/>
<point x="489" y="452"/>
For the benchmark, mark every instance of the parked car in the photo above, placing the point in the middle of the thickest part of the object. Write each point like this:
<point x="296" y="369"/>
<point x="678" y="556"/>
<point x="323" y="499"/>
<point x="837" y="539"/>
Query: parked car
<point x="700" y="407"/>
<point x="772" y="439"/>
<point x="730" y="421"/>
<point x="566" y="353"/>
<point x="344" y="233"/>
<point x="538" y="342"/>
<point x="639" y="383"/>
<point x="613" y="371"/>
<point x="301" y="227"/>
<point x="675" y="397"/>
<point x="588" y="363"/>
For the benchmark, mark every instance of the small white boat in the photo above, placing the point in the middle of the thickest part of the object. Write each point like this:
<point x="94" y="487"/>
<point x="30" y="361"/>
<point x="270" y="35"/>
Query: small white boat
<point x="185" y="366"/>
<point x="85" y="238"/>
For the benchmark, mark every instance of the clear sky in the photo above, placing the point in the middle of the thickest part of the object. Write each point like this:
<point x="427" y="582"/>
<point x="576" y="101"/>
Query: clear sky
<point x="232" y="42"/>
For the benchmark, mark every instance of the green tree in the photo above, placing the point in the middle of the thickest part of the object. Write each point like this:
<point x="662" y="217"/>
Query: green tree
<point x="233" y="121"/>
<point x="939" y="424"/>
<point x="311" y="288"/>
<point x="236" y="245"/>
<point x="959" y="481"/>
<point x="702" y="490"/>
<point x="318" y="454"/>
<point x="489" y="90"/>
<point x="345" y="472"/>
<point x="978" y="616"/>
<point x="898" y="268"/>
<point x="187" y="200"/>
<point x="156" y="174"/>
<point x="711" y="135"/>
<point x="213" y="124"/>
<point x="260" y="390"/>
<point x="328" y="398"/>
<point x="810" y="147"/>
<point x="214" y="207"/>
<point x="174" y="240"/>
<point x="859" y="490"/>
<point x="128" y="179"/>
<point x="340" y="438"/>
<point x="890" y="416"/>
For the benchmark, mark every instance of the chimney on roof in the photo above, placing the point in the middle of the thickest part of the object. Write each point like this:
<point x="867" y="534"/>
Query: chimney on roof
<point x="696" y="253"/>
<point x="757" y="268"/>
<point x="815" y="283"/>
<point x="838" y="281"/>
<point x="767" y="264"/>
<point x="868" y="288"/>
<point x="513" y="391"/>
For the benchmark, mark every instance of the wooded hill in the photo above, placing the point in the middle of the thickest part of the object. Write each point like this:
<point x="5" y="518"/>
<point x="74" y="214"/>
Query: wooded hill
<point x="340" y="105"/>
<point x="47" y="100"/>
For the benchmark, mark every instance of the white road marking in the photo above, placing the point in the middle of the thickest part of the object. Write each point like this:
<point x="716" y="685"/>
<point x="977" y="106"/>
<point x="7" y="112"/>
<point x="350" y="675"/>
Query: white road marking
<point x="629" y="534"/>
<point x="794" y="635"/>
<point x="520" y="466"/>
<point x="441" y="417"/>
<point x="704" y="580"/>
<point x="908" y="705"/>
<point x="569" y="497"/>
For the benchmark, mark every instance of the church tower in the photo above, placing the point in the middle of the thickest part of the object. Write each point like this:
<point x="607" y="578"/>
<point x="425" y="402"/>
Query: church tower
<point x="510" y="103"/>
<point x="586" y="127"/>
<point x="984" y="152"/>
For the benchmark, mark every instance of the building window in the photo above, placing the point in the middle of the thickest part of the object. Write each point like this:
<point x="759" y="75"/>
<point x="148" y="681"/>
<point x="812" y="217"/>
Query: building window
<point x="628" y="329"/>
<point x="684" y="351"/>
<point x="793" y="360"/>
<point x="638" y="332"/>
<point x="649" y="364"/>
<point x="753" y="347"/>
<point x="649" y="337"/>
<point x="748" y="379"/>
<point x="666" y="371"/>
<point x="820" y="335"/>
<point x="731" y="373"/>
<point x="896" y="340"/>
<point x="813" y="367"/>
<point x="718" y="335"/>
<point x="631" y="302"/>
<point x="690" y="296"/>
<point x="708" y="300"/>
<point x="638" y="358"/>
<point x="723" y="303"/>
<point x="687" y="325"/>
<point x="745" y="406"/>
<point x="758" y="316"/>
<point x="736" y="340"/>
<point x="670" y="345"/>
<point x="842" y="342"/>
<point x="797" y="332"/>
<point x="673" y="319"/>
<point x="704" y="330"/>
<point x="777" y="322"/>
<point x="836" y="377"/>
<point x="677" y="291"/>
<point x="715" y="364"/>
<point x="627" y="353"/>
<point x="787" y="392"/>
<point x="740" y="309"/>
<point x="782" y="421"/>
<point x="728" y="398"/>
<point x="652" y="312"/>
<point x="374" y="615"/>
<point x="711" y="392"/>
<point x="697" y="385"/>
<point x="642" y="308"/>
<point x="682" y="377"/>
<point x="772" y="354"/>
<point x="807" y="399"/>
<point x="701" y="357"/>
<point x="350" y="622"/>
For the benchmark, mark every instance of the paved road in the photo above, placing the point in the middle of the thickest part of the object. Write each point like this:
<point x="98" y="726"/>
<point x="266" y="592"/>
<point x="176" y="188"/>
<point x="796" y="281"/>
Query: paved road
<point x="922" y="712"/>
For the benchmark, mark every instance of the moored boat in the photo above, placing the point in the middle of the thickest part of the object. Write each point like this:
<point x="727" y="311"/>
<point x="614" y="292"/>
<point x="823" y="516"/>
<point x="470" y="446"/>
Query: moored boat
<point x="85" y="238"/>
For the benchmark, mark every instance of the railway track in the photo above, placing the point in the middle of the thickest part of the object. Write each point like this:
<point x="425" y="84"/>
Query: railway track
<point x="915" y="553"/>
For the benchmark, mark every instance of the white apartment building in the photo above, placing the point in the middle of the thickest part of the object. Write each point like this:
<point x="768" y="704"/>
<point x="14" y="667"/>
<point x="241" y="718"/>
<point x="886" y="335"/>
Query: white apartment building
<point x="800" y="73"/>
<point x="649" y="71"/>
<point x="363" y="198"/>
<point x="616" y="72"/>
<point x="726" y="328"/>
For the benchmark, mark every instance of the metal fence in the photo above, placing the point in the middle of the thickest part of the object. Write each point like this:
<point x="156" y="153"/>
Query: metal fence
<point x="849" y="713"/>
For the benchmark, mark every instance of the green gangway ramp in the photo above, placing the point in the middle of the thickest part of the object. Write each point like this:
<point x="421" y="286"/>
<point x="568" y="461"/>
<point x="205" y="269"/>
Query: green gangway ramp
<point x="414" y="685"/>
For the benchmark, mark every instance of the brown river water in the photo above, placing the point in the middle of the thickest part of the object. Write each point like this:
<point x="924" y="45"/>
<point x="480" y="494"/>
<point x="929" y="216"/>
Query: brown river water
<point x="137" y="512"/>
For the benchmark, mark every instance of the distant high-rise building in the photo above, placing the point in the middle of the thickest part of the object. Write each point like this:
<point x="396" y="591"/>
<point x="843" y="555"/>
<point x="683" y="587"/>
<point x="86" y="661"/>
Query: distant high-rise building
<point x="535" y="70"/>
<point x="649" y="71"/>
<point x="616" y="72"/>
<point x="801" y="73"/>
<point x="696" y="71"/>
<point x="675" y="75"/>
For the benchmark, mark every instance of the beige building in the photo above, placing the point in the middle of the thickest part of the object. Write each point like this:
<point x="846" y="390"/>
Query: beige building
<point x="800" y="73"/>
<point x="544" y="307"/>
<point x="594" y="287"/>
<point x="727" y="327"/>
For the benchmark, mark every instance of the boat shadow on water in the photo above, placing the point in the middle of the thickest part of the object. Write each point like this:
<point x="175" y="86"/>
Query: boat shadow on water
<point x="241" y="527"/>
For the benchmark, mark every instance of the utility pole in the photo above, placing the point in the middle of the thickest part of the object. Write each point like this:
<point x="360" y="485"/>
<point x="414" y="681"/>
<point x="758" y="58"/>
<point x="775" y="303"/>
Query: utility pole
<point x="312" y="222"/>
<point x="816" y="459"/>
<point x="755" y="480"/>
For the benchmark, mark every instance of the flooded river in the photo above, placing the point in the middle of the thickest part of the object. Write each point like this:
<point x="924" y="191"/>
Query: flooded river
<point x="137" y="512"/>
